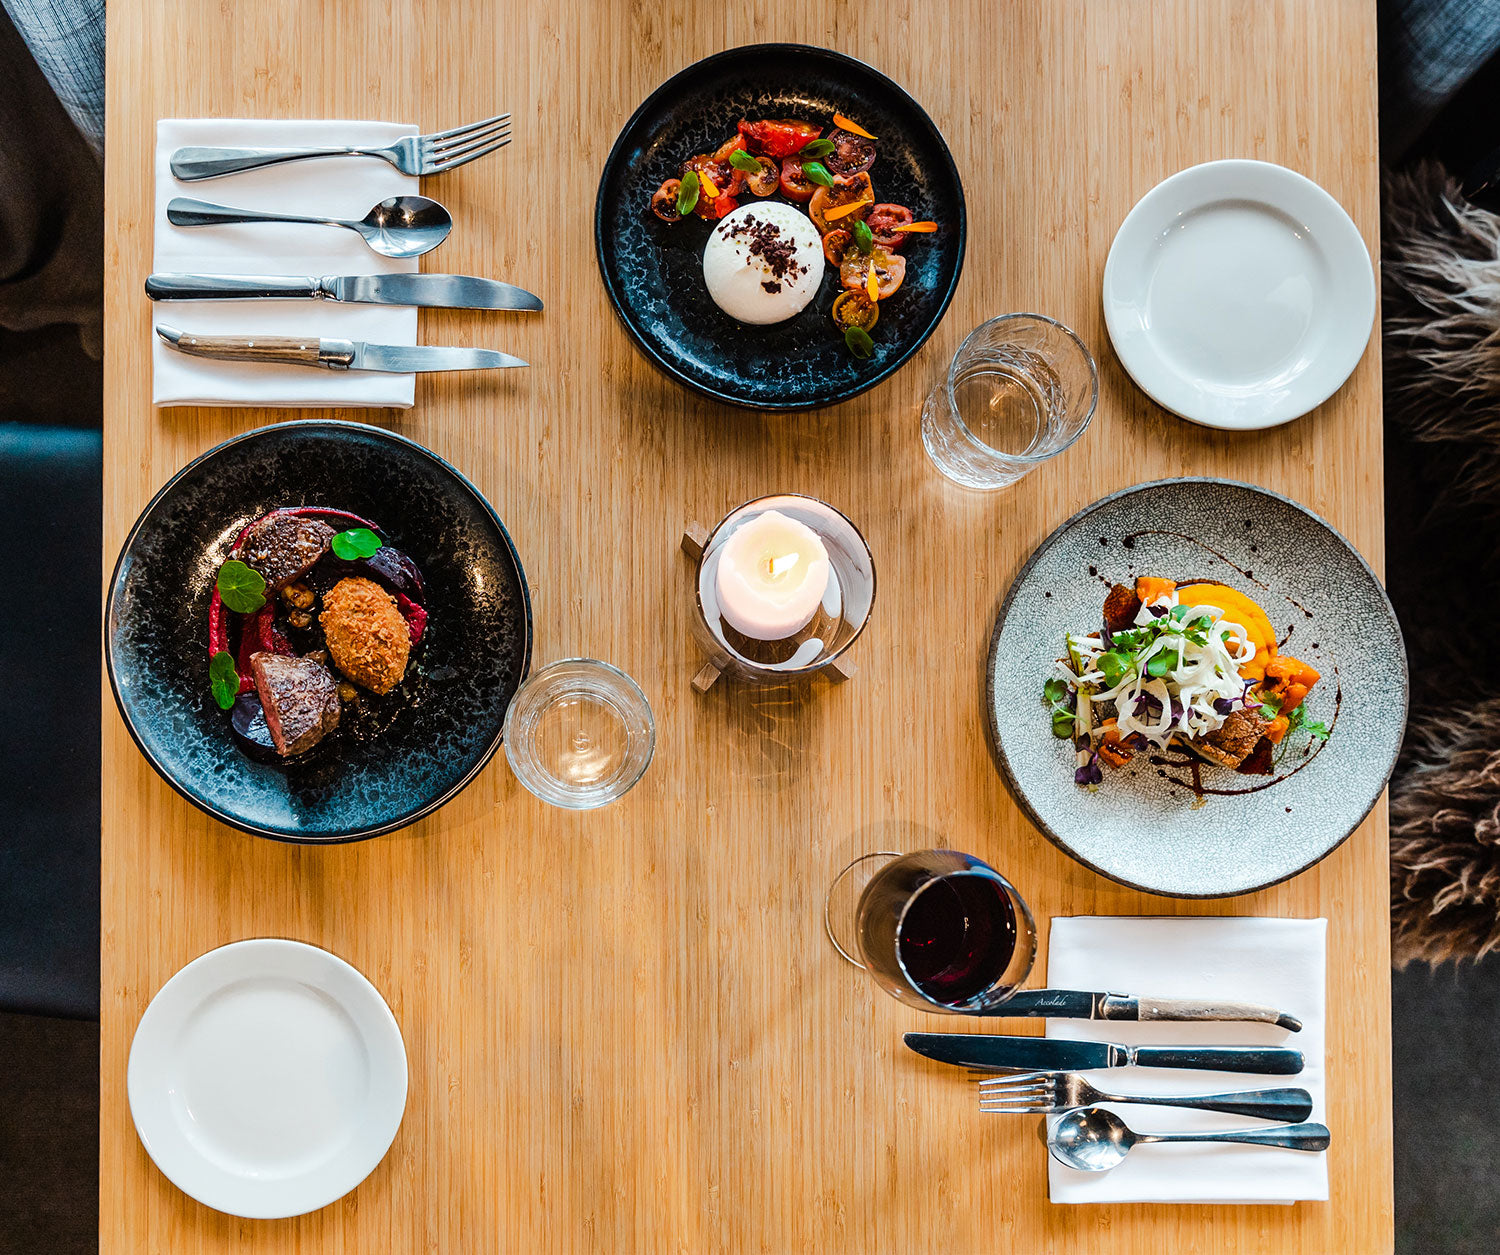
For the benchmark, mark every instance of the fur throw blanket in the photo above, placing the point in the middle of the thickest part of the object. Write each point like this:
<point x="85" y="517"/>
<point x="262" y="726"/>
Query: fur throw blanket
<point x="1441" y="328"/>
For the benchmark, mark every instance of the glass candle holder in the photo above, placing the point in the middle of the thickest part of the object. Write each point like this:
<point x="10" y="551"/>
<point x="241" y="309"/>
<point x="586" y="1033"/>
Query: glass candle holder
<point x="836" y="620"/>
<point x="579" y="733"/>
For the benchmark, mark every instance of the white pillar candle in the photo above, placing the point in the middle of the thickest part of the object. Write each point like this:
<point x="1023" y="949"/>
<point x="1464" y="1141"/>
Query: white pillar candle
<point x="773" y="572"/>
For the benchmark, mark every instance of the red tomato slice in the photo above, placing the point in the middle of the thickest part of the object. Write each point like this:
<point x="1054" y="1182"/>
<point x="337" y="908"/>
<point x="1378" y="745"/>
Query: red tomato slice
<point x="713" y="210"/>
<point x="882" y="221"/>
<point x="835" y="244"/>
<point x="780" y="137"/>
<point x="794" y="184"/>
<point x="844" y="191"/>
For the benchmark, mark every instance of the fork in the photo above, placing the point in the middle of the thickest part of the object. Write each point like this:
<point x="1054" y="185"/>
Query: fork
<point x="1047" y="1093"/>
<point x="416" y="154"/>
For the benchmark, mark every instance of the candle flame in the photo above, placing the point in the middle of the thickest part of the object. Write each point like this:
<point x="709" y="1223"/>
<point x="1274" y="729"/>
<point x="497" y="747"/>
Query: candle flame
<point x="779" y="566"/>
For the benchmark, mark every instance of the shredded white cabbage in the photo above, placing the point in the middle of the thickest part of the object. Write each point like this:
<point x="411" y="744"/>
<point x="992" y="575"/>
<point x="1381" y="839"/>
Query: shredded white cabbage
<point x="1204" y="653"/>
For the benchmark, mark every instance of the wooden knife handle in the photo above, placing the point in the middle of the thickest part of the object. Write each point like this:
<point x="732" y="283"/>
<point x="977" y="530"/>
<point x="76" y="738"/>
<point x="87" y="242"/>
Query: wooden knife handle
<point x="1188" y="1009"/>
<point x="286" y="350"/>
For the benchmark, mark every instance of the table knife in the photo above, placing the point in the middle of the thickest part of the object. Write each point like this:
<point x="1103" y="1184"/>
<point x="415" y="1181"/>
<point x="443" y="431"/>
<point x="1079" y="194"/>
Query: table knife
<point x="1054" y="1054"/>
<point x="432" y="291"/>
<point x="334" y="354"/>
<point x="1075" y="1004"/>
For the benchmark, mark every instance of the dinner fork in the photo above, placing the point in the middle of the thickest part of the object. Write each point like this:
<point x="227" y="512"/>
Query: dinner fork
<point x="416" y="154"/>
<point x="1047" y="1093"/>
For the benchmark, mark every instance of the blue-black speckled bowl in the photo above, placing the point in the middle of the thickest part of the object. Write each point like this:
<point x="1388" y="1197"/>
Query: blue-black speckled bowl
<point x="653" y="272"/>
<point x="476" y="653"/>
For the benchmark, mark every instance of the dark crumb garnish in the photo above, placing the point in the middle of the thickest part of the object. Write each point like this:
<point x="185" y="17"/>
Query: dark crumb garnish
<point x="771" y="286"/>
<point x="767" y="243"/>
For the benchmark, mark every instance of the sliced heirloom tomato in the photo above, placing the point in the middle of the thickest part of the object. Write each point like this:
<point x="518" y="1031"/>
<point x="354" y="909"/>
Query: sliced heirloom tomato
<point x="883" y="221"/>
<point x="890" y="270"/>
<point x="764" y="181"/>
<point x="795" y="185"/>
<point x="720" y="183"/>
<point x="835" y="245"/>
<point x="854" y="309"/>
<point x="664" y="201"/>
<point x="842" y="196"/>
<point x="852" y="154"/>
<point x="778" y="137"/>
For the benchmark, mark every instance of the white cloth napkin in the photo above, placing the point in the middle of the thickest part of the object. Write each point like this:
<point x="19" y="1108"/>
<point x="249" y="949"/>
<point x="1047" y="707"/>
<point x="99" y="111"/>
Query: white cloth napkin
<point x="1278" y="962"/>
<point x="344" y="187"/>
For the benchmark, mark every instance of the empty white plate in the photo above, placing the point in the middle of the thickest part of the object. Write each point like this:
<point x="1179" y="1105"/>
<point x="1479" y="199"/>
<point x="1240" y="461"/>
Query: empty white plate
<point x="1239" y="294"/>
<point x="267" y="1078"/>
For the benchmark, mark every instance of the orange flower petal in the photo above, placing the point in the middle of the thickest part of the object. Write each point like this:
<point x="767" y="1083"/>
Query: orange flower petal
<point x="872" y="284"/>
<point x="840" y="211"/>
<point x="916" y="228"/>
<point x="707" y="184"/>
<point x="843" y="123"/>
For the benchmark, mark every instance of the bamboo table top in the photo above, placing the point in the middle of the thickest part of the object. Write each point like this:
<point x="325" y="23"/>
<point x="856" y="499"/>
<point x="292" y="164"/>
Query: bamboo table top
<point x="625" y="1029"/>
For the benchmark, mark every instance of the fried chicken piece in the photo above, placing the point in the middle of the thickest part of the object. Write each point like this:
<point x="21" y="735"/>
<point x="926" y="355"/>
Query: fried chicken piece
<point x="366" y="635"/>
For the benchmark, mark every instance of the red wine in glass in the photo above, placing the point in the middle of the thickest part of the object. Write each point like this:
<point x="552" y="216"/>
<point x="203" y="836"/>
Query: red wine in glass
<point x="945" y="931"/>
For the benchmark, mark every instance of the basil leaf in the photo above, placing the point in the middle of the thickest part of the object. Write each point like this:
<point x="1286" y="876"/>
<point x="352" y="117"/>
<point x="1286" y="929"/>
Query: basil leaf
<point x="241" y="588"/>
<point x="357" y="542"/>
<point x="1062" y="725"/>
<point x="864" y="238"/>
<point x="817" y="172"/>
<point x="741" y="160"/>
<point x="223" y="679"/>
<point x="859" y="343"/>
<point x="687" y="192"/>
<point x="1055" y="690"/>
<point x="816" y="148"/>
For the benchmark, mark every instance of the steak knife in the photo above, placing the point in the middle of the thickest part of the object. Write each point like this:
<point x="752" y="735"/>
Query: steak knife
<point x="1075" y="1004"/>
<point x="1054" y="1054"/>
<point x="334" y="354"/>
<point x="432" y="291"/>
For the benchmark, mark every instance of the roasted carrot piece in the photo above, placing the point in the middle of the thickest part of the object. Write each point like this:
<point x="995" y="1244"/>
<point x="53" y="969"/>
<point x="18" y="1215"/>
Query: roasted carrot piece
<point x="1150" y="588"/>
<point x="1277" y="730"/>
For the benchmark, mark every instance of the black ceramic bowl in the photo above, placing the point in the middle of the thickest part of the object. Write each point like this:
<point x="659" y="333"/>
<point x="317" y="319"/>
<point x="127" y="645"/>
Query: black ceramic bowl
<point x="474" y="655"/>
<point x="653" y="272"/>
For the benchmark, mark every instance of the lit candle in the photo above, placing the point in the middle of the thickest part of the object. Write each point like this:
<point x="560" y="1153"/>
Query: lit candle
<point x="773" y="572"/>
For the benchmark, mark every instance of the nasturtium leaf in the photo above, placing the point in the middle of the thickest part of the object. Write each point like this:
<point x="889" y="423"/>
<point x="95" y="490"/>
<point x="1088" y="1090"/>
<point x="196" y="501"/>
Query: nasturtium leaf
<point x="357" y="542"/>
<point x="223" y="679"/>
<point x="242" y="588"/>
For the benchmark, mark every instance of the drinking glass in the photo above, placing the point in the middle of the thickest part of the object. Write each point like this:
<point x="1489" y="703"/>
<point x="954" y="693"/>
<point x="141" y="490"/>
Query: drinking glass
<point x="579" y="733"/>
<point x="1020" y="390"/>
<point x="940" y="930"/>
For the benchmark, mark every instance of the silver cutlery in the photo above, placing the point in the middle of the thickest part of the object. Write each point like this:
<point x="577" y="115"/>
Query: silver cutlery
<point x="994" y="1053"/>
<point x="334" y="354"/>
<point x="402" y="226"/>
<point x="416" y="154"/>
<point x="1075" y="1004"/>
<point x="435" y="291"/>
<point x="1096" y="1140"/>
<point x="1048" y="1093"/>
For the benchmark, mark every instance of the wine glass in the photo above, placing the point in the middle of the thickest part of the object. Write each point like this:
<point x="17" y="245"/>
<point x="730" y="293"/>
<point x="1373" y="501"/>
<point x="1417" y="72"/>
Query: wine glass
<point x="939" y="930"/>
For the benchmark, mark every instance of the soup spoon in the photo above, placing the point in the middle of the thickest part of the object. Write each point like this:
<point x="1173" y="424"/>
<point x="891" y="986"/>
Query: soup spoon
<point x="1092" y="1139"/>
<point x="403" y="226"/>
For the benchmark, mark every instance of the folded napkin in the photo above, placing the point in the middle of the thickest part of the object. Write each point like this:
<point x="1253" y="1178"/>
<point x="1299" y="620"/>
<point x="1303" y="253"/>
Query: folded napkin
<point x="343" y="187"/>
<point x="1279" y="962"/>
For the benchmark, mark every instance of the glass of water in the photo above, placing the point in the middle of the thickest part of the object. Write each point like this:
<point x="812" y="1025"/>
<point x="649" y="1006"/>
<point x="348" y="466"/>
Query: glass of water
<point x="579" y="733"/>
<point x="1021" y="389"/>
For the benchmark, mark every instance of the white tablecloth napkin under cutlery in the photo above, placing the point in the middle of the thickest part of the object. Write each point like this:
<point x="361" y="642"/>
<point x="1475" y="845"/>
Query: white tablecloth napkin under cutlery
<point x="1279" y="962"/>
<point x="342" y="187"/>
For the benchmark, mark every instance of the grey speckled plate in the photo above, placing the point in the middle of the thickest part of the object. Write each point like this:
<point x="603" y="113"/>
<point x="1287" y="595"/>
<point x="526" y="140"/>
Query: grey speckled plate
<point x="474" y="655"/>
<point x="653" y="273"/>
<point x="1145" y="827"/>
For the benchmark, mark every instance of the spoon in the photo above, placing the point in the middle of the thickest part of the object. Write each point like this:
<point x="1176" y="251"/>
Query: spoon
<point x="403" y="226"/>
<point x="1092" y="1139"/>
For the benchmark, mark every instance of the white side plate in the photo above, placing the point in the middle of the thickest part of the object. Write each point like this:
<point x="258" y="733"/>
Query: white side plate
<point x="267" y="1078"/>
<point x="1239" y="294"/>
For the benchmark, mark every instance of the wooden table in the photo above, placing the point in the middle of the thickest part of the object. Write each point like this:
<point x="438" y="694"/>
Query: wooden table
<point x="625" y="1029"/>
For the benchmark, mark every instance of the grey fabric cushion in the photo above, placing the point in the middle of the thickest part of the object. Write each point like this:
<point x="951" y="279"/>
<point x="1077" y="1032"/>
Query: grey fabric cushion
<point x="1428" y="50"/>
<point x="67" y="39"/>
